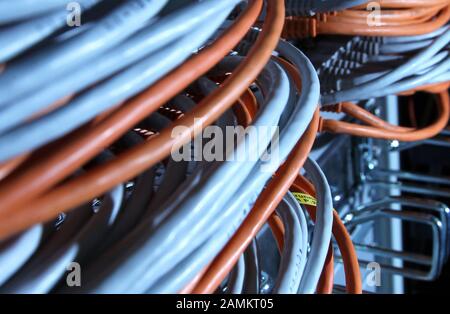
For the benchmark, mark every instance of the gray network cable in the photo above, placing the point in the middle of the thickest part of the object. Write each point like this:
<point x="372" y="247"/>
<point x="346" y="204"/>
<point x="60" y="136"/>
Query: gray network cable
<point x="134" y="205"/>
<point x="406" y="69"/>
<point x="375" y="57"/>
<point x="81" y="231"/>
<point x="224" y="238"/>
<point x="373" y="71"/>
<point x="210" y="209"/>
<point x="322" y="229"/>
<point x="252" y="186"/>
<point x="293" y="257"/>
<point x="15" y="252"/>
<point x="406" y="39"/>
<point x="194" y="209"/>
<point x="255" y="182"/>
<point x="52" y="62"/>
<point x="150" y="39"/>
<point x="176" y="170"/>
<point x="159" y="242"/>
<point x="436" y="75"/>
<point x="105" y="95"/>
<point x="12" y="11"/>
<point x="17" y="38"/>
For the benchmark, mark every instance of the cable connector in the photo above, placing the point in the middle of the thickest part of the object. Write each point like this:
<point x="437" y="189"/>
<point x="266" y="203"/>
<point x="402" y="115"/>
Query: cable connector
<point x="336" y="108"/>
<point x="299" y="27"/>
<point x="320" y="127"/>
<point x="368" y="47"/>
<point x="333" y="13"/>
<point x="357" y="57"/>
<point x="375" y="39"/>
<point x="322" y="17"/>
<point x="330" y="83"/>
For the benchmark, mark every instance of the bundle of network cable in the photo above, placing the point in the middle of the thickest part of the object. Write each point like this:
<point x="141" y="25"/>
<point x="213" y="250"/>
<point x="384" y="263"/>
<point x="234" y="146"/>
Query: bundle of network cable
<point x="400" y="47"/>
<point x="370" y="67"/>
<point x="93" y="119"/>
<point x="310" y="18"/>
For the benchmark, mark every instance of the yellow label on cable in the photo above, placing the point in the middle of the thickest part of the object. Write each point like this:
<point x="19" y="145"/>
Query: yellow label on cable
<point x="305" y="199"/>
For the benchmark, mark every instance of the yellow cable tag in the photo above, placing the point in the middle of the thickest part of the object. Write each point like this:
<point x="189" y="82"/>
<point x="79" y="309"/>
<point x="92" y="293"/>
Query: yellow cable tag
<point x="305" y="199"/>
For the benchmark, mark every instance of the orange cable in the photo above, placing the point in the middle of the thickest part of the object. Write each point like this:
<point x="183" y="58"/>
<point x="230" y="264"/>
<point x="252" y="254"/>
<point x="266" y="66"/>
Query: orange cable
<point x="128" y="164"/>
<point x="263" y="208"/>
<point x="85" y="143"/>
<point x="343" y="239"/>
<point x="441" y="122"/>
<point x="430" y="19"/>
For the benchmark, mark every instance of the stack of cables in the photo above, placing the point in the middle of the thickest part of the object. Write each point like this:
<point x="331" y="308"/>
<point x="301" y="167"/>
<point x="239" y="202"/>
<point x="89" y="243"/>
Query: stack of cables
<point x="310" y="18"/>
<point x="372" y="67"/>
<point x="398" y="48"/>
<point x="92" y="118"/>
